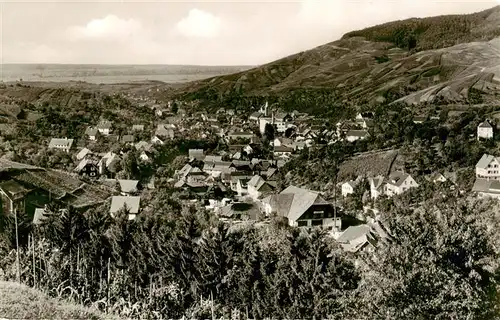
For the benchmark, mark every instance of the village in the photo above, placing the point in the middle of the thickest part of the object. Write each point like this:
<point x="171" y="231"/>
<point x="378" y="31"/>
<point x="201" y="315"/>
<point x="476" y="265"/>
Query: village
<point x="236" y="182"/>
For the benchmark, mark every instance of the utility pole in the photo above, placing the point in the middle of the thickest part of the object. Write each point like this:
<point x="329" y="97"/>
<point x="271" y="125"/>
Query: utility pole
<point x="17" y="248"/>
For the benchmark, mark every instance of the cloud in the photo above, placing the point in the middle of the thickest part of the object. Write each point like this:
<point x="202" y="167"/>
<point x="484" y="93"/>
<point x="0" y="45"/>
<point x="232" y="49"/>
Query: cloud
<point x="199" y="24"/>
<point x="108" y="27"/>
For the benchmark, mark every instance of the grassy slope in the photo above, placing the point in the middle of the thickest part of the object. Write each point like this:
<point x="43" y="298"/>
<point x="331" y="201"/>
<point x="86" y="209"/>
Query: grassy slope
<point x="344" y="65"/>
<point x="21" y="302"/>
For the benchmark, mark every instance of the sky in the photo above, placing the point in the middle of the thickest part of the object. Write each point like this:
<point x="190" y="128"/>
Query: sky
<point x="193" y="33"/>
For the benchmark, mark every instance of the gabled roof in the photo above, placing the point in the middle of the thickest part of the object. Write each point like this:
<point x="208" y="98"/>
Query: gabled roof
<point x="397" y="178"/>
<point x="487" y="186"/>
<point x="128" y="138"/>
<point x="293" y="202"/>
<point x="485" y="161"/>
<point x="376" y="182"/>
<point x="91" y="131"/>
<point x="131" y="203"/>
<point x="13" y="189"/>
<point x="66" y="143"/>
<point x="128" y="185"/>
<point x="39" y="215"/>
<point x="354" y="232"/>
<point x="142" y="145"/>
<point x="104" y="125"/>
<point x="357" y="133"/>
<point x="256" y="115"/>
<point x="83" y="153"/>
<point x="485" y="124"/>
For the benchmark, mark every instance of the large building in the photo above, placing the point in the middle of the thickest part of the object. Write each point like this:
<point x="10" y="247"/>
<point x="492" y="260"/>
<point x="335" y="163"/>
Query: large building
<point x="303" y="208"/>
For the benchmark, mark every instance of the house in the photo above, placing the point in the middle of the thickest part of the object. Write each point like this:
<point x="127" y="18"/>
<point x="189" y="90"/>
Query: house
<point x="281" y="121"/>
<point x="303" y="208"/>
<point x="376" y="186"/>
<point x="242" y="187"/>
<point x="104" y="127"/>
<point x="128" y="186"/>
<point x="282" y="151"/>
<point x="64" y="144"/>
<point x="108" y="163"/>
<point x="353" y="135"/>
<point x="486" y="188"/>
<point x="12" y="196"/>
<point x="40" y="215"/>
<point x="488" y="167"/>
<point x="92" y="133"/>
<point x="484" y="130"/>
<point x="156" y="140"/>
<point x="364" y="119"/>
<point x="436" y="177"/>
<point x="142" y="145"/>
<point x="128" y="139"/>
<point x="364" y="238"/>
<point x="198" y="154"/>
<point x="83" y="153"/>
<point x="129" y="203"/>
<point x="349" y="186"/>
<point x="398" y="182"/>
<point x="255" y="116"/>
<point x="162" y="131"/>
<point x="240" y="135"/>
<point x="88" y="167"/>
<point x="138" y="127"/>
<point x="420" y="119"/>
<point x="258" y="187"/>
<point x="215" y="169"/>
<point x="144" y="156"/>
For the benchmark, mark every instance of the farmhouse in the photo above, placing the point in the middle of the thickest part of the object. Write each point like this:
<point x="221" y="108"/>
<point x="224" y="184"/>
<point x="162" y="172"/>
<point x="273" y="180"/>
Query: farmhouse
<point x="484" y="130"/>
<point x="302" y="208"/>
<point x="64" y="144"/>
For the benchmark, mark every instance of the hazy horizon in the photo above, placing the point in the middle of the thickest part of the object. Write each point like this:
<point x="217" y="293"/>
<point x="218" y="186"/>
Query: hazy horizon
<point x="199" y="33"/>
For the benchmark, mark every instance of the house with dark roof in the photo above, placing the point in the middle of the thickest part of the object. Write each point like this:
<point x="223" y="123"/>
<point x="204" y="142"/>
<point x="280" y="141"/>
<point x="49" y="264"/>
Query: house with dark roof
<point x="303" y="208"/>
<point x="282" y="151"/>
<point x="63" y="144"/>
<point x="484" y="130"/>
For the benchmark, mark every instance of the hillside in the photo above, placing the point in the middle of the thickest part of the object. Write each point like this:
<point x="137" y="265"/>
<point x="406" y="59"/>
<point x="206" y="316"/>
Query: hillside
<point x="20" y="302"/>
<point x="452" y="58"/>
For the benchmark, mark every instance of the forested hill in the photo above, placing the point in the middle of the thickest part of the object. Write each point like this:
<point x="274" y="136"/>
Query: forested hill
<point x="442" y="59"/>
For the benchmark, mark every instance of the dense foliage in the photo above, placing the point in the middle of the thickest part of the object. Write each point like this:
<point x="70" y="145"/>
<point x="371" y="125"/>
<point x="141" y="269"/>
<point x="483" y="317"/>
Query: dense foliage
<point x="432" y="33"/>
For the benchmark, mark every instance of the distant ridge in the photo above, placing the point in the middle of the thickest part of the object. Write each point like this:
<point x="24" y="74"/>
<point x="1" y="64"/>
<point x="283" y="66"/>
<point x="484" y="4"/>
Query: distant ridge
<point x="443" y="59"/>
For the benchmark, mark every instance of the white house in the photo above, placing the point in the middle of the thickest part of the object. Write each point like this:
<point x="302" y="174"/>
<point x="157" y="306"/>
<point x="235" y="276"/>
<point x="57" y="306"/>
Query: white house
<point x="257" y="187"/>
<point x="61" y="144"/>
<point x="488" y="167"/>
<point x="104" y="127"/>
<point x="348" y="187"/>
<point x="282" y="120"/>
<point x="398" y="182"/>
<point x="353" y="135"/>
<point x="484" y="130"/>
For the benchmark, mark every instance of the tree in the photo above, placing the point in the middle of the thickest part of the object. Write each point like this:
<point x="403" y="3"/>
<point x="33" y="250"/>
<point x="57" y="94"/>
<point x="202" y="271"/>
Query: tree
<point x="441" y="264"/>
<point x="269" y="132"/>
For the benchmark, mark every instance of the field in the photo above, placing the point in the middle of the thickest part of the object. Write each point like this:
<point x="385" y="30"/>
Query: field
<point x="108" y="74"/>
<point x="20" y="302"/>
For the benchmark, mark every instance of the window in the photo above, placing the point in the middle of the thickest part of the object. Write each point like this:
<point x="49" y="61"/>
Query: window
<point x="302" y="223"/>
<point x="317" y="222"/>
<point x="318" y="214"/>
